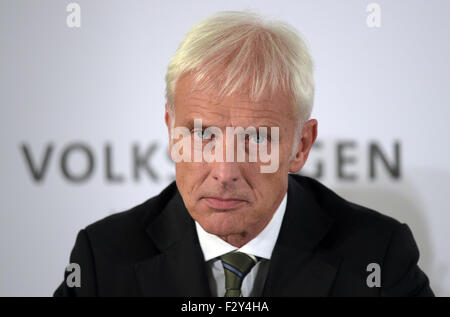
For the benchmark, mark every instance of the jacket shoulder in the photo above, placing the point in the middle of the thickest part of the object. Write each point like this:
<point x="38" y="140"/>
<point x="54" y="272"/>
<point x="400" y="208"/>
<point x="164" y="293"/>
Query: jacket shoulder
<point x="356" y="230"/>
<point x="126" y="230"/>
<point x="361" y="236"/>
<point x="343" y="210"/>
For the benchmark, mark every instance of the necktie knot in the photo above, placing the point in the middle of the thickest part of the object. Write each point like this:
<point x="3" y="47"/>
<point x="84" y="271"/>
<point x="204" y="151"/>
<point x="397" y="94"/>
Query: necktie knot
<point x="236" y="266"/>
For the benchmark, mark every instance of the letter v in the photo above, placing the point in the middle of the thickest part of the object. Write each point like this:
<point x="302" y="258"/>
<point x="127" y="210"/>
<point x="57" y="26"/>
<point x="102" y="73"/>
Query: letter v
<point x="37" y="172"/>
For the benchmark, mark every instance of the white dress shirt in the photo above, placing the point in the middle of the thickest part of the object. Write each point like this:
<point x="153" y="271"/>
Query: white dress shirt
<point x="262" y="246"/>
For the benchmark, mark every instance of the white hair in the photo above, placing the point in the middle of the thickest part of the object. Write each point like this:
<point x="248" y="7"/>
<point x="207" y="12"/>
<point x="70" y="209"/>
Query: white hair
<point x="236" y="50"/>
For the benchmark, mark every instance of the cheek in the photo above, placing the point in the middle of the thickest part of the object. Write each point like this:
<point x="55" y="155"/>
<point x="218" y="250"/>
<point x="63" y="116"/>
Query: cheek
<point x="268" y="187"/>
<point x="286" y="149"/>
<point x="269" y="183"/>
<point x="189" y="176"/>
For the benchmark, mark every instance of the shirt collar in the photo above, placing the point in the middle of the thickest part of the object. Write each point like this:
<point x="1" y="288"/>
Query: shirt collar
<point x="262" y="245"/>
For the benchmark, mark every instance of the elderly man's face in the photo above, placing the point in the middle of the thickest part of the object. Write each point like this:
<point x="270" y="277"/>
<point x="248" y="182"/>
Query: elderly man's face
<point x="235" y="200"/>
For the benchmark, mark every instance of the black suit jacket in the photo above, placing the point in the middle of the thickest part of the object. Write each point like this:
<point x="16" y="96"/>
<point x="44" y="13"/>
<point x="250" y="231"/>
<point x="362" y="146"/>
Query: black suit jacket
<point x="323" y="249"/>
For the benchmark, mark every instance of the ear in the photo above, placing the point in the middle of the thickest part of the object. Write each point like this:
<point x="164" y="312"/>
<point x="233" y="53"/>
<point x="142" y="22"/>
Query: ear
<point x="307" y="138"/>
<point x="167" y="116"/>
<point x="167" y="119"/>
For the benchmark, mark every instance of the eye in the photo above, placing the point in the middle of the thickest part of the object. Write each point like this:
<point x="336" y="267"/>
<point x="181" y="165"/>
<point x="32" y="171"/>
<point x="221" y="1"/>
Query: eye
<point x="200" y="134"/>
<point x="258" y="139"/>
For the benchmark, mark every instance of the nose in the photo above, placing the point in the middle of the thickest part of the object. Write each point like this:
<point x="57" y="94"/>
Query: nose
<point x="226" y="173"/>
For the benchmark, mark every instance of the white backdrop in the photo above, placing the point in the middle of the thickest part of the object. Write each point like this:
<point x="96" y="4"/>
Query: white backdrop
<point x="77" y="102"/>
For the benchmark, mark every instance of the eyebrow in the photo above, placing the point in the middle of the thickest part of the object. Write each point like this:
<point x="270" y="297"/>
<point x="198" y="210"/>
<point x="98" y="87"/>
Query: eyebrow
<point x="205" y="125"/>
<point x="190" y="124"/>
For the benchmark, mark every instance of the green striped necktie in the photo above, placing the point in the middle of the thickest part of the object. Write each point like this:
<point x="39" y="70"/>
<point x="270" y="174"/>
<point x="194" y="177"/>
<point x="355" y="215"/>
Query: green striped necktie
<point x="236" y="266"/>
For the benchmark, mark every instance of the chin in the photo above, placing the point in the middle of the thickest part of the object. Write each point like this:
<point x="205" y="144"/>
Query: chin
<point x="222" y="224"/>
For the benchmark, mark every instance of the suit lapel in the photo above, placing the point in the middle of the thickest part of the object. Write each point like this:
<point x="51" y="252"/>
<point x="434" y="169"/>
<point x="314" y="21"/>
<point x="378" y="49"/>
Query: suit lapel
<point x="180" y="269"/>
<point x="299" y="266"/>
<point x="299" y="273"/>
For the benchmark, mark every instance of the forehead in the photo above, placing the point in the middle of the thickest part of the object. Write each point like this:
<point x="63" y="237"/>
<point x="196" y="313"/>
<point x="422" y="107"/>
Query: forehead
<point x="191" y="102"/>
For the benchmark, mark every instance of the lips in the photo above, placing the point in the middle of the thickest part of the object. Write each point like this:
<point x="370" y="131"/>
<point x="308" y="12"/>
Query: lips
<point x="223" y="203"/>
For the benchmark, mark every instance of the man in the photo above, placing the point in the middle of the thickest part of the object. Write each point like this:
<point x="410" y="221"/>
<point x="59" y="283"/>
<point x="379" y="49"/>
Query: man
<point x="233" y="227"/>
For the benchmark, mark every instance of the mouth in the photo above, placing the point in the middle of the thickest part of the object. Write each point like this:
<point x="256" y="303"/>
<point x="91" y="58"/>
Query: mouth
<point x="221" y="203"/>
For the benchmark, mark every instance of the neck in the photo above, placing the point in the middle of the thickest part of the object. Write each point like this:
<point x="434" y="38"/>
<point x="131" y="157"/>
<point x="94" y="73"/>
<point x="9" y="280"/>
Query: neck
<point x="238" y="240"/>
